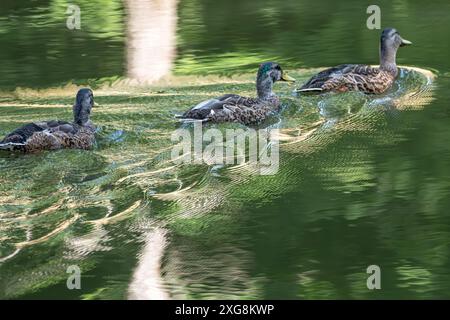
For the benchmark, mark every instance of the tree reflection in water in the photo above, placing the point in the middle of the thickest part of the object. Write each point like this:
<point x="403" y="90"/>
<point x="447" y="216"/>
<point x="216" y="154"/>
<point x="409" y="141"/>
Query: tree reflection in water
<point x="151" y="27"/>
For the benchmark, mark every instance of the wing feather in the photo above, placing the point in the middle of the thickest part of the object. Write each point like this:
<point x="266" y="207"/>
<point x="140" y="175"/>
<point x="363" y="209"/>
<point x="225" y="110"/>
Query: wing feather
<point x="341" y="77"/>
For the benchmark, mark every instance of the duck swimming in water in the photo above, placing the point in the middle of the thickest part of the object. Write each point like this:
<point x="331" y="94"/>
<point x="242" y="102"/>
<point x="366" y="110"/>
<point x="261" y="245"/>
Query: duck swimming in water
<point x="245" y="110"/>
<point x="358" y="77"/>
<point x="56" y="134"/>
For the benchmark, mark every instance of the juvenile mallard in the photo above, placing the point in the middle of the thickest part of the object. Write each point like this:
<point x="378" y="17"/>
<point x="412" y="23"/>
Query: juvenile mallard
<point x="235" y="108"/>
<point x="357" y="77"/>
<point x="56" y="134"/>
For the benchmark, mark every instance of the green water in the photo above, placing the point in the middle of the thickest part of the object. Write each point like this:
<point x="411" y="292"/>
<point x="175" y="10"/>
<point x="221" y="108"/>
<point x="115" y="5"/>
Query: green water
<point x="362" y="180"/>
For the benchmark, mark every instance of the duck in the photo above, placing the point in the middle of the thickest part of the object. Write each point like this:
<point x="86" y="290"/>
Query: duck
<point x="56" y="134"/>
<point x="244" y="110"/>
<point x="358" y="77"/>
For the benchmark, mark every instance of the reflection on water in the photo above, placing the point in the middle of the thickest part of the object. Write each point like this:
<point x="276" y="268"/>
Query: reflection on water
<point x="150" y="38"/>
<point x="363" y="179"/>
<point x="127" y="196"/>
<point x="147" y="283"/>
<point x="39" y="50"/>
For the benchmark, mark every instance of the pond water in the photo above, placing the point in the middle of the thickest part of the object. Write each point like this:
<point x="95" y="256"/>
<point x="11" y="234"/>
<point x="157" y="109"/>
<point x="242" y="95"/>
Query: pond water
<point x="362" y="180"/>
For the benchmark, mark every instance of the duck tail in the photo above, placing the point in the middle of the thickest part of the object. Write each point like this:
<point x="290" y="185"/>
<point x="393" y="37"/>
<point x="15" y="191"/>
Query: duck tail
<point x="186" y="119"/>
<point x="12" y="146"/>
<point x="191" y="120"/>
<point x="309" y="90"/>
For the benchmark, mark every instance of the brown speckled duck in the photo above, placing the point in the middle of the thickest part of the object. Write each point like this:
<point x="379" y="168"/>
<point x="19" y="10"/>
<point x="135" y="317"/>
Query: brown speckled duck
<point x="235" y="108"/>
<point x="364" y="78"/>
<point x="56" y="134"/>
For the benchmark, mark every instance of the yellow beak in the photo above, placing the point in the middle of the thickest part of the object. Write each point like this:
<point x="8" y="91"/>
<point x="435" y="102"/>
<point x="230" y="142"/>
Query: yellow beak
<point x="406" y="42"/>
<point x="285" y="77"/>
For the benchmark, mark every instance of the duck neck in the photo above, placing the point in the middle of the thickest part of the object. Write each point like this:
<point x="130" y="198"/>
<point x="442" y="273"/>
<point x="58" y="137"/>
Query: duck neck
<point x="80" y="116"/>
<point x="264" y="88"/>
<point x="387" y="59"/>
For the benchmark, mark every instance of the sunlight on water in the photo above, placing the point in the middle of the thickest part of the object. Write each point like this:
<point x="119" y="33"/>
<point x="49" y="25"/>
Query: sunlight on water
<point x="73" y="199"/>
<point x="362" y="179"/>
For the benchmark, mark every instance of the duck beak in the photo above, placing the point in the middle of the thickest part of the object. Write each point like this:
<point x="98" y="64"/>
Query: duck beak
<point x="285" y="77"/>
<point x="405" y="42"/>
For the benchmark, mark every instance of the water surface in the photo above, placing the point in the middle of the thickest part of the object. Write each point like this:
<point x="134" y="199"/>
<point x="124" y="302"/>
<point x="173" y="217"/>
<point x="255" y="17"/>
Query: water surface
<point x="362" y="180"/>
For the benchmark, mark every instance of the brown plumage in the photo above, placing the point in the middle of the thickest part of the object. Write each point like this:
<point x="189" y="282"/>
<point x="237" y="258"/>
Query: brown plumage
<point x="364" y="78"/>
<point x="245" y="110"/>
<point x="55" y="134"/>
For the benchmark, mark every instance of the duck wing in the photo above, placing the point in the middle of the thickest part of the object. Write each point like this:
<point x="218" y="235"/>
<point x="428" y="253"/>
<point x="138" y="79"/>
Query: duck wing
<point x="205" y="109"/>
<point x="57" y="125"/>
<point x="230" y="108"/>
<point x="39" y="135"/>
<point x="22" y="134"/>
<point x="339" y="76"/>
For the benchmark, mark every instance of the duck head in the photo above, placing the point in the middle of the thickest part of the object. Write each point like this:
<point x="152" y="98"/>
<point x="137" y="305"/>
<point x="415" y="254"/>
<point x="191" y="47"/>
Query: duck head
<point x="389" y="43"/>
<point x="268" y="74"/>
<point x="83" y="106"/>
